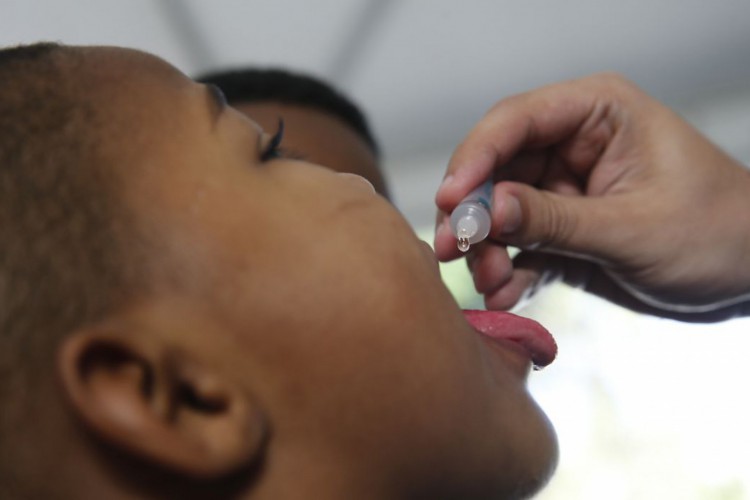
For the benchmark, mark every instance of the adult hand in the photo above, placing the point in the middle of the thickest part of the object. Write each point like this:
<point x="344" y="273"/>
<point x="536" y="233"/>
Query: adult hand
<point x="600" y="184"/>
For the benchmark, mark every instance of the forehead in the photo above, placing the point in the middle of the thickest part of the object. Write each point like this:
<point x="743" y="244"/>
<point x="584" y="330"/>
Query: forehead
<point x="128" y="85"/>
<point x="142" y="98"/>
<point x="127" y="65"/>
<point x="153" y="119"/>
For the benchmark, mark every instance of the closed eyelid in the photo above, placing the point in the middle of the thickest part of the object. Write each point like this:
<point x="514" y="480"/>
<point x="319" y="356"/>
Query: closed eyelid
<point x="249" y="132"/>
<point x="272" y="148"/>
<point x="252" y="134"/>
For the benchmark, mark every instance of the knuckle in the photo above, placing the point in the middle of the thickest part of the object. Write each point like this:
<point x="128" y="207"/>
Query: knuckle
<point x="559" y="226"/>
<point x="611" y="79"/>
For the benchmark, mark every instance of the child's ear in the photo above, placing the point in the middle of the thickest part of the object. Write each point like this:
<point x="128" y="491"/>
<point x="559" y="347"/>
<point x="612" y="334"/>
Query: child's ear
<point x="160" y="405"/>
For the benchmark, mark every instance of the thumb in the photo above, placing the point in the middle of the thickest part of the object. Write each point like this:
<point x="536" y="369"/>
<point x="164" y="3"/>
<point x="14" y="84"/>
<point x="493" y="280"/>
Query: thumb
<point x="577" y="225"/>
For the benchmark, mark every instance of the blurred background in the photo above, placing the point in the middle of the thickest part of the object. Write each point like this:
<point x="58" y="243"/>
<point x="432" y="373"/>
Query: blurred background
<point x="645" y="408"/>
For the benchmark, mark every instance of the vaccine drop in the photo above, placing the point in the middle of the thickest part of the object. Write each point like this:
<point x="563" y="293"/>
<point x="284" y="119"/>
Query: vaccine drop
<point x="463" y="244"/>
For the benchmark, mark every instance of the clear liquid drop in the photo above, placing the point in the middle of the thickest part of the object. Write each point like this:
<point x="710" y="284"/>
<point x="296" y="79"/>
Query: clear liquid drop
<point x="463" y="244"/>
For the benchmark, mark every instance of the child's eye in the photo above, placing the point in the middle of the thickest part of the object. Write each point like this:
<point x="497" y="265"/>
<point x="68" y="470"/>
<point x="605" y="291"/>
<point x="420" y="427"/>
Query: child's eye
<point x="273" y="148"/>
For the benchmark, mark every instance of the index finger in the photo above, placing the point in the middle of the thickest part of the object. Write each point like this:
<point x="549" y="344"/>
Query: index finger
<point x="531" y="120"/>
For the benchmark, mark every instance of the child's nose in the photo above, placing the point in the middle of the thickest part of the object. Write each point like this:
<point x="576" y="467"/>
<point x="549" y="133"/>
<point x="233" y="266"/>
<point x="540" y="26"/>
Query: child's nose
<point x="359" y="180"/>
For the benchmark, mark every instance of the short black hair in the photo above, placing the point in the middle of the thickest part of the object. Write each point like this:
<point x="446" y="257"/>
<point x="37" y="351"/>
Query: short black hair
<point x="56" y="203"/>
<point x="284" y="86"/>
<point x="66" y="239"/>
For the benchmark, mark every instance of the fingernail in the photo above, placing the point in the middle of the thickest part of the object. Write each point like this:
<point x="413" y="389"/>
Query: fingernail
<point x="511" y="213"/>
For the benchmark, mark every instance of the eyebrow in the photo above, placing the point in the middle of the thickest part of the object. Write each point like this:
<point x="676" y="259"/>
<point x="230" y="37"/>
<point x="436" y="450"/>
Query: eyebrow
<point x="216" y="101"/>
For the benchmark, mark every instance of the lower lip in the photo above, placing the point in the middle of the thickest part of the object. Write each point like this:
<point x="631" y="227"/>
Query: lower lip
<point x="514" y="355"/>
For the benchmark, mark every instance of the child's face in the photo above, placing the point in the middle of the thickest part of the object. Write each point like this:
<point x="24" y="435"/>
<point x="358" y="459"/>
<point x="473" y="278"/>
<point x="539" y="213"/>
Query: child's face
<point x="334" y="313"/>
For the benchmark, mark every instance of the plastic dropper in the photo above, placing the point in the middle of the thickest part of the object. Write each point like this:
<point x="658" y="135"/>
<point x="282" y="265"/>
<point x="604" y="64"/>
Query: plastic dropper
<point x="470" y="220"/>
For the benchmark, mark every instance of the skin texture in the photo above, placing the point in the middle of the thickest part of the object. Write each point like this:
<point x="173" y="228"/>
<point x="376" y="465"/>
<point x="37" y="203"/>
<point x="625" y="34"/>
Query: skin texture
<point x="318" y="137"/>
<point x="603" y="186"/>
<point x="302" y="353"/>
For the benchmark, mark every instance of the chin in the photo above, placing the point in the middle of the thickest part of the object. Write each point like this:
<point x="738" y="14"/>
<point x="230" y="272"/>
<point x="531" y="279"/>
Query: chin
<point x="542" y="455"/>
<point x="526" y="459"/>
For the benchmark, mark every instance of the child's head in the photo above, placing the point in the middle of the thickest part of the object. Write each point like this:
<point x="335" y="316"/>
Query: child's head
<point x="323" y="126"/>
<point x="185" y="313"/>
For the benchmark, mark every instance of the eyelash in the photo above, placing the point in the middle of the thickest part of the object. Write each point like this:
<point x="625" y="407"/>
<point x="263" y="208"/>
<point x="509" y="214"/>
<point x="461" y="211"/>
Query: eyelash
<point x="273" y="148"/>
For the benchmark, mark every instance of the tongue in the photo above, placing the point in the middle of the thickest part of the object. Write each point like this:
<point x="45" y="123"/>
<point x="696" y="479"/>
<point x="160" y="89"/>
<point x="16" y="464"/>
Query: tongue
<point x="529" y="334"/>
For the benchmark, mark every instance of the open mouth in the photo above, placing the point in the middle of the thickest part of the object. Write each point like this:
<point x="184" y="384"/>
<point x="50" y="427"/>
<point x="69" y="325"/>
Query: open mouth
<point x="530" y="335"/>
